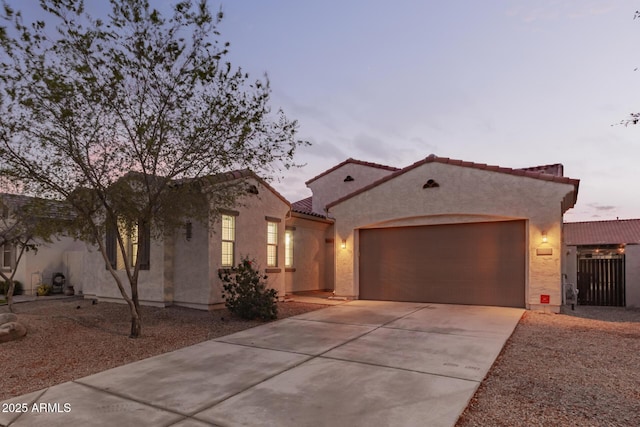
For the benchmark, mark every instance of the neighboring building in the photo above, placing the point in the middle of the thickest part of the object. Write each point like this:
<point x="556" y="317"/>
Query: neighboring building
<point x="440" y="230"/>
<point x="603" y="260"/>
<point x="57" y="256"/>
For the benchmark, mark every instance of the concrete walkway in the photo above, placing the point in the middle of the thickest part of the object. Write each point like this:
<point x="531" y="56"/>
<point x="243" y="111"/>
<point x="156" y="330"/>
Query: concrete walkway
<point x="361" y="363"/>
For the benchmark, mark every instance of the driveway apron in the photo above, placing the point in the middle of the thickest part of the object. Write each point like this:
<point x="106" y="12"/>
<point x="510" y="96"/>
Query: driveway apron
<point x="362" y="363"/>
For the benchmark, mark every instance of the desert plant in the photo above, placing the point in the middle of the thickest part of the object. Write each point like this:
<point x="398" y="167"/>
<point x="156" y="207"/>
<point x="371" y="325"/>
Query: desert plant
<point x="43" y="290"/>
<point x="246" y="294"/>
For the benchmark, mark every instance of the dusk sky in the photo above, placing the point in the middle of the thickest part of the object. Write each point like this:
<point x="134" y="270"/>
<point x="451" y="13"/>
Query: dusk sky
<point x="508" y="83"/>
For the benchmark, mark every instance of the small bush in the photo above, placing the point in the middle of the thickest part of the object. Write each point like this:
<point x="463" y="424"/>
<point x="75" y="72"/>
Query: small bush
<point x="246" y="294"/>
<point x="18" y="289"/>
<point x="43" y="290"/>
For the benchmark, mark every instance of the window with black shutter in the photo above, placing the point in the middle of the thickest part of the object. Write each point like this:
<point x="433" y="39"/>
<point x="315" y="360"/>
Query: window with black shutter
<point x="137" y="242"/>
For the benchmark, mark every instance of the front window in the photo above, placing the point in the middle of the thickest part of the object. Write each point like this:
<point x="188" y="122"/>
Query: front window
<point x="228" y="240"/>
<point x="288" y="248"/>
<point x="272" y="244"/>
<point x="130" y="242"/>
<point x="136" y="241"/>
<point x="6" y="257"/>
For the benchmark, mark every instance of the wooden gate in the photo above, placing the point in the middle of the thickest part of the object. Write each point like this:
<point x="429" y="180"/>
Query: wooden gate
<point x="601" y="279"/>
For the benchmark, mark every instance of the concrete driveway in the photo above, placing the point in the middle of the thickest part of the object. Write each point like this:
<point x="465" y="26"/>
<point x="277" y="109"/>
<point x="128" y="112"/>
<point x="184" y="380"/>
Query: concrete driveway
<point x="362" y="363"/>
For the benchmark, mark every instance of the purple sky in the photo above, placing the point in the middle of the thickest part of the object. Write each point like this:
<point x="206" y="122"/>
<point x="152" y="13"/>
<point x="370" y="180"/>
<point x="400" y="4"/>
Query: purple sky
<point x="509" y="83"/>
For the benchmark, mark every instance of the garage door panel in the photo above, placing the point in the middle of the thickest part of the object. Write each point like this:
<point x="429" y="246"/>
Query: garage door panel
<point x="476" y="263"/>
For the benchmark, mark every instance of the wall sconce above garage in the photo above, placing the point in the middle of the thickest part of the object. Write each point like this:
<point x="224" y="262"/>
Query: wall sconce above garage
<point x="545" y="250"/>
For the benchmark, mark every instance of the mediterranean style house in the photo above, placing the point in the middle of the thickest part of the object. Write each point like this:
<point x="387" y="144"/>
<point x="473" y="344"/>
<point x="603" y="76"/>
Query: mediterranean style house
<point x="439" y="230"/>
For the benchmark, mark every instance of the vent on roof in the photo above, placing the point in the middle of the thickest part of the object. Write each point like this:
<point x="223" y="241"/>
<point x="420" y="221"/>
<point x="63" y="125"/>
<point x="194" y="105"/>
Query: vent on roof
<point x="431" y="184"/>
<point x="349" y="178"/>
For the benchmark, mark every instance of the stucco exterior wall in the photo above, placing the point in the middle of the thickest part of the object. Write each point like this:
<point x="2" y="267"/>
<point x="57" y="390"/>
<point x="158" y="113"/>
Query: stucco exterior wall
<point x="185" y="272"/>
<point x="191" y="266"/>
<point x="330" y="259"/>
<point x="251" y="236"/>
<point x="309" y="256"/>
<point x="331" y="186"/>
<point x="464" y="195"/>
<point x="40" y="266"/>
<point x="197" y="262"/>
<point x="99" y="283"/>
<point x="632" y="275"/>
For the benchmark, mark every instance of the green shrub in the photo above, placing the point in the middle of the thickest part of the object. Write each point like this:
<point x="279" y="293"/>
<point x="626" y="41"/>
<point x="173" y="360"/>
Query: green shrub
<point x="246" y="294"/>
<point x="18" y="289"/>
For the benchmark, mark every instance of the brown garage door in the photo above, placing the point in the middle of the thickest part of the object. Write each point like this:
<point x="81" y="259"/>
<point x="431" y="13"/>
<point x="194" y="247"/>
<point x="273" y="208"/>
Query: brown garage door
<point x="474" y="263"/>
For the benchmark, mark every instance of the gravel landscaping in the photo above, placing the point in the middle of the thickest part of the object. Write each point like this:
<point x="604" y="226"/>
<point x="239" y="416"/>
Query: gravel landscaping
<point x="579" y="368"/>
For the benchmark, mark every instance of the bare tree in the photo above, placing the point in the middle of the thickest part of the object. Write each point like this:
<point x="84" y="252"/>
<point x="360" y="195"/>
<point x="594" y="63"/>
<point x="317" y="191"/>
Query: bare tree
<point x="131" y="120"/>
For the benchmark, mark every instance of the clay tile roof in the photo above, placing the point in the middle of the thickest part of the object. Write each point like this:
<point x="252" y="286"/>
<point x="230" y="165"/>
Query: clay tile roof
<point x="356" y="162"/>
<point x="602" y="232"/>
<point x="45" y="208"/>
<point x="432" y="158"/>
<point x="303" y="206"/>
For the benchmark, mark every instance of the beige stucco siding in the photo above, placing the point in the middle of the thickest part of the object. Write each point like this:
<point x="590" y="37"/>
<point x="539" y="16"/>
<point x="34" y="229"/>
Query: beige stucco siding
<point x="185" y="272"/>
<point x="251" y="234"/>
<point x="191" y="266"/>
<point x="198" y="261"/>
<point x="464" y="195"/>
<point x="39" y="266"/>
<point x="331" y="186"/>
<point x="309" y="256"/>
<point x="99" y="283"/>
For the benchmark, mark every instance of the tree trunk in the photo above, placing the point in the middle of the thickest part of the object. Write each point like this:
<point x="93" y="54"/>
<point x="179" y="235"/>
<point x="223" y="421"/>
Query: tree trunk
<point x="10" y="295"/>
<point x="136" y="324"/>
<point x="134" y="305"/>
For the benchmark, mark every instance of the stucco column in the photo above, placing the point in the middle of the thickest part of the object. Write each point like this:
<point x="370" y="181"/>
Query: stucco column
<point x="545" y="266"/>
<point x="344" y="264"/>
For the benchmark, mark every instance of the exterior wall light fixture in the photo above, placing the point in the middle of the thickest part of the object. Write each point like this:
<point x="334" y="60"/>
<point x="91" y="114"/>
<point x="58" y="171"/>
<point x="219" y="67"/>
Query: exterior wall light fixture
<point x="544" y="237"/>
<point x="343" y="245"/>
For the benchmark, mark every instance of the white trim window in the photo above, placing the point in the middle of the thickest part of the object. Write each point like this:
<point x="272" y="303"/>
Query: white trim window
<point x="288" y="248"/>
<point x="272" y="244"/>
<point x="228" y="240"/>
